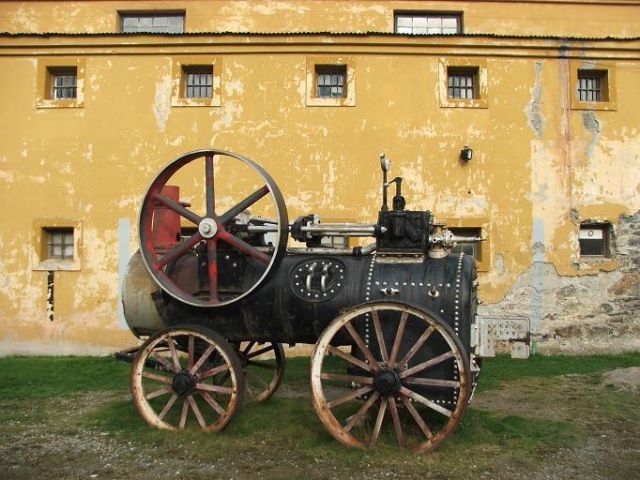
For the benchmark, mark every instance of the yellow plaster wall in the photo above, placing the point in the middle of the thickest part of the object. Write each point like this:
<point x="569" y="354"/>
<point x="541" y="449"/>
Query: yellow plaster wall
<point x="539" y="166"/>
<point x="510" y="17"/>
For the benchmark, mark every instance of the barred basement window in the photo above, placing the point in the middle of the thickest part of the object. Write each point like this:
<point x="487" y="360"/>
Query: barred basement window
<point x="63" y="81"/>
<point x="59" y="243"/>
<point x="428" y="23"/>
<point x="594" y="240"/>
<point x="198" y="81"/>
<point x="592" y="86"/>
<point x="168" y="22"/>
<point x="330" y="81"/>
<point x="462" y="83"/>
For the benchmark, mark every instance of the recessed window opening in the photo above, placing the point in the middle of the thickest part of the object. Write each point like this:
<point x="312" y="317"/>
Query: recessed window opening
<point x="330" y="81"/>
<point x="592" y="86"/>
<point x="427" y="23"/>
<point x="63" y="82"/>
<point x="470" y="247"/>
<point x="594" y="240"/>
<point x="152" y="22"/>
<point x="462" y="83"/>
<point x="198" y="81"/>
<point x="59" y="243"/>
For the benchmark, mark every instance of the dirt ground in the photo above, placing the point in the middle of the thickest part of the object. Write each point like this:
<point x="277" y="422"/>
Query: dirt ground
<point x="51" y="439"/>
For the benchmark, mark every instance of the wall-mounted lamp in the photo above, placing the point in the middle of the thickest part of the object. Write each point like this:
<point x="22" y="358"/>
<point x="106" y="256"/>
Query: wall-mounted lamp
<point x="466" y="154"/>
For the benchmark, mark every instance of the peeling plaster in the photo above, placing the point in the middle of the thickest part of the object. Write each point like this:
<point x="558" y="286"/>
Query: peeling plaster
<point x="592" y="126"/>
<point x="532" y="110"/>
<point x="162" y="102"/>
<point x="234" y="87"/>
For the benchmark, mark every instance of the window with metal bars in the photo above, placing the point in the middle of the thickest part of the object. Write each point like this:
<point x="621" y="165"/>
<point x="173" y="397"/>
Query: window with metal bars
<point x="330" y="81"/>
<point x="59" y="243"/>
<point x="63" y="83"/>
<point x="428" y="23"/>
<point x="198" y="81"/>
<point x="171" y="22"/>
<point x="592" y="86"/>
<point x="462" y="83"/>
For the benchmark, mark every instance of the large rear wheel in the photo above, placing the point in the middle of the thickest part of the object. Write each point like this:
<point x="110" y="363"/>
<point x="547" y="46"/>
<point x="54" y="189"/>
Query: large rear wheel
<point x="388" y="371"/>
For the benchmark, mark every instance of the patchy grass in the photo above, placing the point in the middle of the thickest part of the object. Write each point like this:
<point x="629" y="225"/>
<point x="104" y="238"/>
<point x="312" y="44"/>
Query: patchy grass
<point x="526" y="414"/>
<point x="503" y="369"/>
<point x="45" y="377"/>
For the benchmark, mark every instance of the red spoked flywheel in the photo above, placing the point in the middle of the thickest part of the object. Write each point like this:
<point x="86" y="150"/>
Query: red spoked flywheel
<point x="218" y="260"/>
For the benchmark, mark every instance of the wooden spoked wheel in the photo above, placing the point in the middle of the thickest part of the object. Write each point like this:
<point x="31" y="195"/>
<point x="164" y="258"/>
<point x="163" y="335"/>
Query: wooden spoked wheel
<point x="187" y="375"/>
<point x="220" y="263"/>
<point x="263" y="366"/>
<point x="390" y="372"/>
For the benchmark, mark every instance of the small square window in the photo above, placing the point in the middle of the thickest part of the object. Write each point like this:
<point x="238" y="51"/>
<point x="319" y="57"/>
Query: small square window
<point x="64" y="83"/>
<point x="59" y="243"/>
<point x="594" y="240"/>
<point x="330" y="81"/>
<point x="198" y="81"/>
<point x="470" y="247"/>
<point x="156" y="22"/>
<point x="462" y="83"/>
<point x="593" y="86"/>
<point x="422" y="23"/>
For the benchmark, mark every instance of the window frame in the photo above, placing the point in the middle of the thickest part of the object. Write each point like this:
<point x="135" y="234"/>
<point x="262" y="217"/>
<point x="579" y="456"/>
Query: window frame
<point x="480" y="87"/>
<point x="608" y="74"/>
<point x="463" y="72"/>
<point x="458" y="15"/>
<point x="48" y="68"/>
<point x="331" y="70"/>
<point x="349" y="87"/>
<point x="41" y="260"/>
<point x="606" y="229"/>
<point x="180" y="67"/>
<point x="188" y="71"/>
<point x="123" y="14"/>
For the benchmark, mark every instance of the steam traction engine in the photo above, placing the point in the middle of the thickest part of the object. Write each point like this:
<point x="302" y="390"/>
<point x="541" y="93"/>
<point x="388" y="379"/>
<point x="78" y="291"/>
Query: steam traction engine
<point x="394" y="323"/>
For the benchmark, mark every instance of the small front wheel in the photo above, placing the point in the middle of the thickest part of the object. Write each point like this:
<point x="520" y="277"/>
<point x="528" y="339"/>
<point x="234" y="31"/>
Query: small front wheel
<point x="187" y="374"/>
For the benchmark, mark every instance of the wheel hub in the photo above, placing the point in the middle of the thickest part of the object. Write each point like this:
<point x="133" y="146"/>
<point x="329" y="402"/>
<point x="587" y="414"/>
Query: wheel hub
<point x="387" y="382"/>
<point x="183" y="383"/>
<point x="208" y="227"/>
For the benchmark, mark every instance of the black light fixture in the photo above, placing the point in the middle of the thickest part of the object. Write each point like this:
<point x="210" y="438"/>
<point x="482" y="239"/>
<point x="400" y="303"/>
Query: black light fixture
<point x="466" y="154"/>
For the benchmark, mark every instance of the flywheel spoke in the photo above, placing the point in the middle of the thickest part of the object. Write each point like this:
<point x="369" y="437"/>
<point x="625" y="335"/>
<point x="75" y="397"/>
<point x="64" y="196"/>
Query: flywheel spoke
<point x="212" y="269"/>
<point x="210" y="186"/>
<point x="244" y="247"/>
<point x="179" y="250"/>
<point x="243" y="205"/>
<point x="176" y="207"/>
